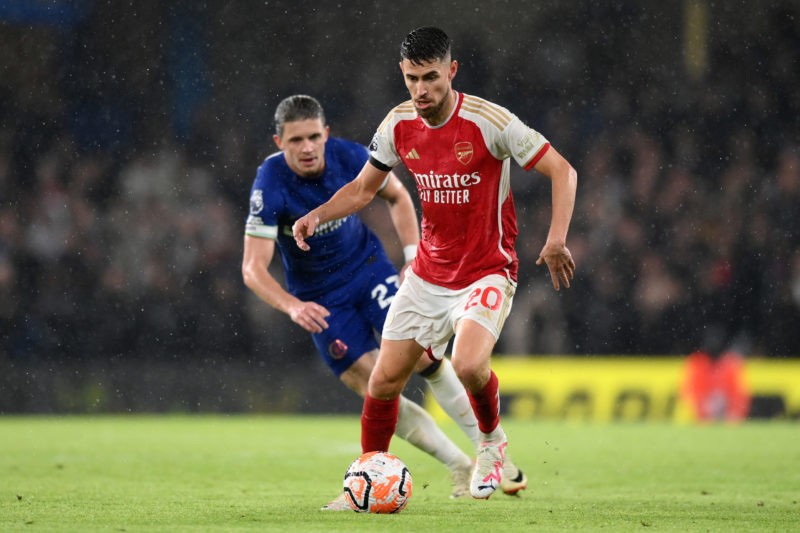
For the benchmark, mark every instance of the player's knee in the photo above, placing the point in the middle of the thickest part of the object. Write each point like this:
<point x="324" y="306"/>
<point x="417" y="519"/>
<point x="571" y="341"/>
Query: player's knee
<point x="384" y="386"/>
<point x="472" y="374"/>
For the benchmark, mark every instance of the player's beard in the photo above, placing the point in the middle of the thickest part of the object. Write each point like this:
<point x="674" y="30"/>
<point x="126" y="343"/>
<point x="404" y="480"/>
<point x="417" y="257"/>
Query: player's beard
<point x="433" y="114"/>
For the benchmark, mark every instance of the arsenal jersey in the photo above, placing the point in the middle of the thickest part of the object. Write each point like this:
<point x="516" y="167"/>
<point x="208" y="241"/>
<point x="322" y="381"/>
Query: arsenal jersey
<point x="462" y="170"/>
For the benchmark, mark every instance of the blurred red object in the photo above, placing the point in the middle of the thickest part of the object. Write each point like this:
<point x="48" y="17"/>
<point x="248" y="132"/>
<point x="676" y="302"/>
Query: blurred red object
<point x="716" y="387"/>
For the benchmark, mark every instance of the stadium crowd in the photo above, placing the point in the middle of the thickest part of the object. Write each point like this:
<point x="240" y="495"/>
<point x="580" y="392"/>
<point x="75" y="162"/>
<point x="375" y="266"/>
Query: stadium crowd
<point x="121" y="220"/>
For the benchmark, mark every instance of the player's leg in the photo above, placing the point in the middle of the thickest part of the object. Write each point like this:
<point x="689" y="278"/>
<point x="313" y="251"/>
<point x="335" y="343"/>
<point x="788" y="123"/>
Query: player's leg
<point x="414" y="424"/>
<point x="452" y="397"/>
<point x="417" y="317"/>
<point x="479" y="313"/>
<point x="437" y="372"/>
<point x="345" y="349"/>
<point x="450" y="394"/>
<point x="396" y="362"/>
<point x="350" y="349"/>
<point x="472" y="350"/>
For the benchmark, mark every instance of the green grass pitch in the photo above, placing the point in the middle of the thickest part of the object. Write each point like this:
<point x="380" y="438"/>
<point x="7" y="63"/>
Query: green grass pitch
<point x="272" y="473"/>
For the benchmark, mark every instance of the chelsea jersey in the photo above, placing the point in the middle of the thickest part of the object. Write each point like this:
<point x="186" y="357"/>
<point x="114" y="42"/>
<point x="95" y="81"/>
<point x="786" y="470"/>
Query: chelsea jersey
<point x="339" y="248"/>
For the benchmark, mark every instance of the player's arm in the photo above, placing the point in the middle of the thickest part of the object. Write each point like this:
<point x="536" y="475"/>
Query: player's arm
<point x="258" y="252"/>
<point x="404" y="217"/>
<point x="347" y="200"/>
<point x="564" y="182"/>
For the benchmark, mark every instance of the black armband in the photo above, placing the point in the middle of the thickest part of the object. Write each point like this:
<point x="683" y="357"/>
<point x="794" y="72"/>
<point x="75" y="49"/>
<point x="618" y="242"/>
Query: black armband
<point x="380" y="166"/>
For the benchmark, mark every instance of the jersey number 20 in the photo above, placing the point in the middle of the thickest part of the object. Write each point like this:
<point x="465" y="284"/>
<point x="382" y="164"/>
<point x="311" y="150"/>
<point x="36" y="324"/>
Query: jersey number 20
<point x="489" y="297"/>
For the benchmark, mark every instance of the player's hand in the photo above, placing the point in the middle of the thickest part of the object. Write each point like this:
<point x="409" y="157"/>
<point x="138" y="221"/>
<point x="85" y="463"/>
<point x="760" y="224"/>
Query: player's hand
<point x="303" y="228"/>
<point x="310" y="316"/>
<point x="559" y="262"/>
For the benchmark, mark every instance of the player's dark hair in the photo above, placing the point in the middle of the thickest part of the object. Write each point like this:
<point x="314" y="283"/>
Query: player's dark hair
<point x="297" y="107"/>
<point x="425" y="44"/>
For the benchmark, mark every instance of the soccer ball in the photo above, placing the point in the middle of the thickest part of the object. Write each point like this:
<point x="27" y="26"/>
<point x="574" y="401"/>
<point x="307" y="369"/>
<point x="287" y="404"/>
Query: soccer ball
<point x="377" y="482"/>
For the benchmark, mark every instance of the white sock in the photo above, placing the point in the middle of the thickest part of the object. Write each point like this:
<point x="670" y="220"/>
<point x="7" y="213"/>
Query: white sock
<point x="416" y="426"/>
<point x="450" y="393"/>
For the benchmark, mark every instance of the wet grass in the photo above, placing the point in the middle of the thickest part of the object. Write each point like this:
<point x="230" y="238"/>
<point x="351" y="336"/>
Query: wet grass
<point x="272" y="473"/>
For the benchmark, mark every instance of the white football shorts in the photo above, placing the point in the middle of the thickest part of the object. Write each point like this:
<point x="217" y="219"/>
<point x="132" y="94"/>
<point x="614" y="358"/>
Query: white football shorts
<point x="429" y="313"/>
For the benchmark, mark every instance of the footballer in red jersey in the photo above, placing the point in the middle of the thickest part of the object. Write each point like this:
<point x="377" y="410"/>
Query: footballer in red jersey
<point x="462" y="172"/>
<point x="461" y="285"/>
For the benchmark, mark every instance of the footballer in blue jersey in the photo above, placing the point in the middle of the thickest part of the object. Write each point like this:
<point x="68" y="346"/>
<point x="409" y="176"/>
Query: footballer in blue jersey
<point x="340" y="291"/>
<point x="342" y="249"/>
<point x="348" y="272"/>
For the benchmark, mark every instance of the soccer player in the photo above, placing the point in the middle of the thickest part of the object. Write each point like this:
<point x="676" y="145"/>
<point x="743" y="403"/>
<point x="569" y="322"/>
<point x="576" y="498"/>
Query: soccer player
<point x="340" y="292"/>
<point x="458" y="149"/>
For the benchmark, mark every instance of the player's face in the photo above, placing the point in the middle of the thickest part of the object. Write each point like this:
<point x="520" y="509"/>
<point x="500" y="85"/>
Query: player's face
<point x="430" y="87"/>
<point x="303" y="145"/>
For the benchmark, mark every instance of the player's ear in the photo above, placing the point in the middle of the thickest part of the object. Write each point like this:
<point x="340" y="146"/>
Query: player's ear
<point x="453" y="69"/>
<point x="278" y="142"/>
<point x="327" y="132"/>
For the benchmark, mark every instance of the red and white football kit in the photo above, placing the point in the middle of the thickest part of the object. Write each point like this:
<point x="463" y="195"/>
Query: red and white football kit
<point x="466" y="265"/>
<point x="462" y="172"/>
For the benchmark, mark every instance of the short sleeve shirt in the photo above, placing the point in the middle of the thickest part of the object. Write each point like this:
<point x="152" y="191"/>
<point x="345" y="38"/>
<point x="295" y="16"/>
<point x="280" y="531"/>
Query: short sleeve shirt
<point x="462" y="172"/>
<point x="339" y="247"/>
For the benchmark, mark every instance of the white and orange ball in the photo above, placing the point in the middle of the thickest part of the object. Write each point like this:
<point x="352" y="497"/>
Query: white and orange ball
<point x="377" y="482"/>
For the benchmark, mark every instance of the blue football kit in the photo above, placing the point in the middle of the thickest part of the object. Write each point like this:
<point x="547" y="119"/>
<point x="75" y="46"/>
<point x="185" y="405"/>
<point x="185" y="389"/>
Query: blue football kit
<point x="346" y="270"/>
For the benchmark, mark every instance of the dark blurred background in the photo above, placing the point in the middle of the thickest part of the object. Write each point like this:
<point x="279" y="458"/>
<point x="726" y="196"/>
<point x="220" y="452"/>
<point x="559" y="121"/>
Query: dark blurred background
<point x="130" y="133"/>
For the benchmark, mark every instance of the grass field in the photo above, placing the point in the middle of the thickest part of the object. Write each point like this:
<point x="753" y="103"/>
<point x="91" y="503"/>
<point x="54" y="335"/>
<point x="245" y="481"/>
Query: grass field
<point x="271" y="473"/>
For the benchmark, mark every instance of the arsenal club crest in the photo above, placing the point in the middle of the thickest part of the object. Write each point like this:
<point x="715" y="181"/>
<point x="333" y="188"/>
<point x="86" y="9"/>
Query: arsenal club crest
<point x="463" y="152"/>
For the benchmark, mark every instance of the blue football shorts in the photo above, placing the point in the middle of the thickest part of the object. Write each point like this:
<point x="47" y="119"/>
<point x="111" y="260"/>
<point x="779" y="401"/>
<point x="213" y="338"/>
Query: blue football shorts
<point x="357" y="313"/>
